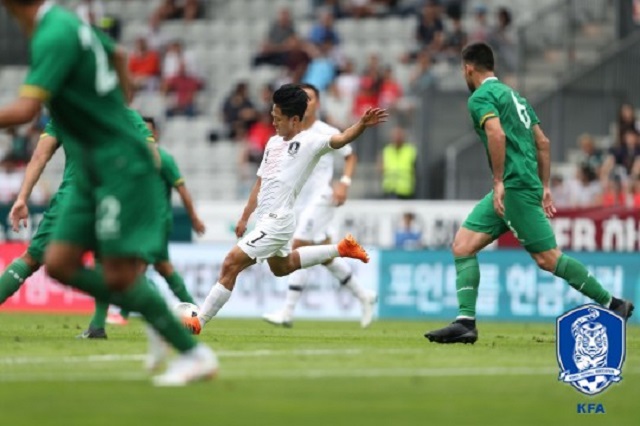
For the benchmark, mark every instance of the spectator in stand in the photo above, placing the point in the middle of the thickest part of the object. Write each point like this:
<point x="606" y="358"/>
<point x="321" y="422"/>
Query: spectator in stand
<point x="398" y="167"/>
<point x="257" y="137"/>
<point x="587" y="190"/>
<point x="144" y="66"/>
<point x="430" y="29"/>
<point x="390" y="90"/>
<point x="275" y="49"/>
<point x="614" y="194"/>
<point x="266" y="98"/>
<point x="635" y="193"/>
<point x="359" y="8"/>
<point x="337" y="107"/>
<point x="348" y="82"/>
<point x="626" y="121"/>
<point x="298" y="59"/>
<point x="624" y="158"/>
<point x="324" y="30"/>
<point x="503" y="40"/>
<point x="373" y="71"/>
<point x="367" y="97"/>
<point x="408" y="235"/>
<point x="560" y="192"/>
<point x="322" y="69"/>
<point x="590" y="155"/>
<point x="175" y="57"/>
<point x="184" y="88"/>
<point x="178" y="9"/>
<point x="422" y="76"/>
<point x="455" y="40"/>
<point x="480" y="29"/>
<point x="239" y="112"/>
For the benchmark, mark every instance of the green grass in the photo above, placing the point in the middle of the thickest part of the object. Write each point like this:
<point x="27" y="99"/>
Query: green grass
<point x="318" y="373"/>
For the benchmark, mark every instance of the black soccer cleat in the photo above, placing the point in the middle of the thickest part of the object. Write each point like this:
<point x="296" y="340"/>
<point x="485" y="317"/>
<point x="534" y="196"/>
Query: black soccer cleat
<point x="623" y="308"/>
<point x="93" y="333"/>
<point x="459" y="331"/>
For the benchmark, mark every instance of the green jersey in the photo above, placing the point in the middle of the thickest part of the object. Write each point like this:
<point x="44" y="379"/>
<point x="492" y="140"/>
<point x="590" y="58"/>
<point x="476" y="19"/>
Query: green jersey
<point x="72" y="72"/>
<point x="171" y="176"/>
<point x="70" y="158"/>
<point x="495" y="99"/>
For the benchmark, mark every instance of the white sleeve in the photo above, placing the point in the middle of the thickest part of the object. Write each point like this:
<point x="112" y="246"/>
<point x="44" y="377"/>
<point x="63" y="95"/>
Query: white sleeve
<point x="345" y="151"/>
<point x="322" y="145"/>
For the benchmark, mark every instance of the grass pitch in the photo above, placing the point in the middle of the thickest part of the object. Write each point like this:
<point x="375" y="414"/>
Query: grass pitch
<point x="318" y="373"/>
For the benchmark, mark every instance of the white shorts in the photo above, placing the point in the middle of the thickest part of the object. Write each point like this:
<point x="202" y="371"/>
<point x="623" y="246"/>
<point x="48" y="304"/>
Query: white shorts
<point x="270" y="238"/>
<point x="314" y="222"/>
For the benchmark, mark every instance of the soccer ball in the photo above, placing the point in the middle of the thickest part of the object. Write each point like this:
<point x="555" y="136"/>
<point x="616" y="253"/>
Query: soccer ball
<point x="188" y="313"/>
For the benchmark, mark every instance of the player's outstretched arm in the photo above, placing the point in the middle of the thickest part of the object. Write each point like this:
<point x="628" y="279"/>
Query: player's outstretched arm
<point x="496" y="141"/>
<point x="543" y="149"/>
<point x="252" y="203"/>
<point x="120" y="65"/>
<point x="371" y="117"/>
<point x="187" y="202"/>
<point x="46" y="147"/>
<point x="20" y="111"/>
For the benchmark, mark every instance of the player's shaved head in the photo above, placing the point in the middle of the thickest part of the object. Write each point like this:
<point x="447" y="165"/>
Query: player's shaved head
<point x="479" y="55"/>
<point x="292" y="100"/>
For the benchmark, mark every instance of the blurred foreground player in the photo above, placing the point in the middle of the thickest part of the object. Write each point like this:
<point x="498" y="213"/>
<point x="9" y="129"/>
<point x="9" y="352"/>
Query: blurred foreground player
<point x="77" y="72"/>
<point x="521" y="201"/>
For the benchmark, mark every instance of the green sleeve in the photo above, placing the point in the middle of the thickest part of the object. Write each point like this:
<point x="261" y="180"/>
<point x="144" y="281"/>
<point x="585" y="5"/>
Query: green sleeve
<point x="532" y="114"/>
<point x="140" y="125"/>
<point x="53" y="56"/>
<point x="482" y="108"/>
<point x="169" y="170"/>
<point x="50" y="130"/>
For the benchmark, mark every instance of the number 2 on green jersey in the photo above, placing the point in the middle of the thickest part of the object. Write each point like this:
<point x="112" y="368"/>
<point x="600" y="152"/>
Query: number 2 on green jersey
<point x="522" y="112"/>
<point x="106" y="79"/>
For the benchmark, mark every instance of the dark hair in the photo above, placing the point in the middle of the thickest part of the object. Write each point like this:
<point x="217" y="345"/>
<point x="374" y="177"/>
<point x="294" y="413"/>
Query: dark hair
<point x="291" y="100"/>
<point x="149" y="120"/>
<point x="505" y="14"/>
<point x="27" y="2"/>
<point x="479" y="55"/>
<point x="311" y="87"/>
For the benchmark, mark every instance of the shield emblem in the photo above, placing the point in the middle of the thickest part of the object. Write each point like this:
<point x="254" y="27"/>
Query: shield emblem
<point x="590" y="343"/>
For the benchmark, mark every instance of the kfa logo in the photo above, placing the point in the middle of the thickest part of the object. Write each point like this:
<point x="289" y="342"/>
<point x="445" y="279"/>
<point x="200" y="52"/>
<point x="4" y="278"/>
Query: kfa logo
<point x="293" y="149"/>
<point x="590" y="409"/>
<point x="590" y="347"/>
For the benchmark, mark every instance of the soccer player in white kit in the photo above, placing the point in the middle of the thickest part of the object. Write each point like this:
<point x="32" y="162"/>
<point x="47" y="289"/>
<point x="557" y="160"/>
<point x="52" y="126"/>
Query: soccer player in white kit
<point x="315" y="209"/>
<point x="289" y="159"/>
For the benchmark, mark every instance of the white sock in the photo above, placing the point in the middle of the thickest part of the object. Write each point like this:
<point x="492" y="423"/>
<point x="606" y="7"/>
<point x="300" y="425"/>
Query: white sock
<point x="340" y="269"/>
<point x="297" y="282"/>
<point x="315" y="255"/>
<point x="216" y="299"/>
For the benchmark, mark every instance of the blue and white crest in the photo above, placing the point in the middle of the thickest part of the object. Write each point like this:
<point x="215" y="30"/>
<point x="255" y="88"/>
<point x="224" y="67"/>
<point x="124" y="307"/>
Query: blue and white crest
<point x="591" y="348"/>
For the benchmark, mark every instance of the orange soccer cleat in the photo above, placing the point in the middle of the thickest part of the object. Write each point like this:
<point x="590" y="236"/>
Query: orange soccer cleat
<point x="349" y="247"/>
<point x="192" y="324"/>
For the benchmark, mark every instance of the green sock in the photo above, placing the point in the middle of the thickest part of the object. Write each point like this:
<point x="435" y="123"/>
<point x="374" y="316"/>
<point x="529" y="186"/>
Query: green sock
<point x="13" y="277"/>
<point x="467" y="283"/>
<point x="99" y="319"/>
<point x="579" y="278"/>
<point x="177" y="286"/>
<point x="141" y="297"/>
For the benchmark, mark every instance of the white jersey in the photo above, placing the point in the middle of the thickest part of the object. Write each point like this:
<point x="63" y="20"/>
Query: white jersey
<point x="318" y="185"/>
<point x="285" y="167"/>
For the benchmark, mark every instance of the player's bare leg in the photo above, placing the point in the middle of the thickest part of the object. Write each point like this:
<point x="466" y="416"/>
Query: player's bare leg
<point x="578" y="277"/>
<point x="466" y="246"/>
<point x="15" y="275"/>
<point x="298" y="281"/>
<point x="304" y="257"/>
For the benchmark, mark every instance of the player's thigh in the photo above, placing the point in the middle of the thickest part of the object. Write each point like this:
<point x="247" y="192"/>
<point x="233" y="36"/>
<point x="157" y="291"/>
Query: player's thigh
<point x="128" y="222"/>
<point x="525" y="217"/>
<point x="313" y="223"/>
<point x="481" y="227"/>
<point x="268" y="239"/>
<point x="75" y="217"/>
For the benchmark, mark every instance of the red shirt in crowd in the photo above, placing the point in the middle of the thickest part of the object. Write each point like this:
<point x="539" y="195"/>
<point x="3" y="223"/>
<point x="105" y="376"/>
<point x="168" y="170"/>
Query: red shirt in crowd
<point x="145" y="64"/>
<point x="185" y="88"/>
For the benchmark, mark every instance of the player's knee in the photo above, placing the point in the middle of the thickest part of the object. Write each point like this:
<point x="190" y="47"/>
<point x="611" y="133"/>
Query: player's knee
<point x="546" y="261"/>
<point x="164" y="268"/>
<point x="230" y="266"/>
<point x="58" y="268"/>
<point x="121" y="274"/>
<point x="462" y="248"/>
<point x="284" y="267"/>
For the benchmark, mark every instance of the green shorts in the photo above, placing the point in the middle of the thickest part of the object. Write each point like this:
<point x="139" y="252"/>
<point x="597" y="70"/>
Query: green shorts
<point x="523" y="214"/>
<point x="43" y="235"/>
<point x="163" y="255"/>
<point x="116" y="218"/>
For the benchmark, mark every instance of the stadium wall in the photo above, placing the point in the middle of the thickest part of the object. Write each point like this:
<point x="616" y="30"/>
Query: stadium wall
<point x="413" y="285"/>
